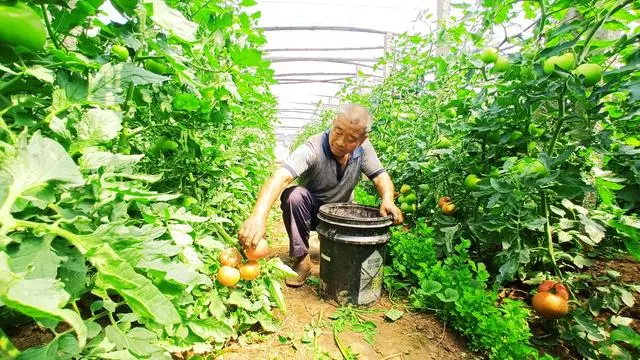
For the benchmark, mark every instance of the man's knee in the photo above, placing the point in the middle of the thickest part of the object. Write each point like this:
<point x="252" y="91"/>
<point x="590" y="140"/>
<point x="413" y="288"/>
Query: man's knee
<point x="296" y="196"/>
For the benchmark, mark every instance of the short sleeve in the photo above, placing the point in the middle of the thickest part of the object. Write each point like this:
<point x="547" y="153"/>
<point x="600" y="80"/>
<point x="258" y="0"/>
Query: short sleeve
<point x="300" y="160"/>
<point x="371" y="165"/>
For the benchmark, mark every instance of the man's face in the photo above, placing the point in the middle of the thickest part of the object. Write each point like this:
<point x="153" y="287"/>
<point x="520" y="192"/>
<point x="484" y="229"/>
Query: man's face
<point x="346" y="136"/>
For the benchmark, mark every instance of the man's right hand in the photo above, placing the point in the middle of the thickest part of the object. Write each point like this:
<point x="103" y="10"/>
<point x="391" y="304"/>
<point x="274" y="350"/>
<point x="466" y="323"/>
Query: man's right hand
<point x="252" y="231"/>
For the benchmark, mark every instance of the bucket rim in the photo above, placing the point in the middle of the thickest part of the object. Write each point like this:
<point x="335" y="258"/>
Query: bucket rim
<point x="379" y="221"/>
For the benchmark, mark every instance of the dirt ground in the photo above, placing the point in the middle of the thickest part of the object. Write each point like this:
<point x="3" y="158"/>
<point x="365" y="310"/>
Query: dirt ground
<point x="413" y="336"/>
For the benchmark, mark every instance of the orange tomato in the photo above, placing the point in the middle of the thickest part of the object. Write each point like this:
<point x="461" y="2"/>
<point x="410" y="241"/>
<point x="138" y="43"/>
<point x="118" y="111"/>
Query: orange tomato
<point x="230" y="257"/>
<point x="449" y="209"/>
<point x="249" y="270"/>
<point x="551" y="305"/>
<point x="443" y="200"/>
<point x="261" y="250"/>
<point x="228" y="276"/>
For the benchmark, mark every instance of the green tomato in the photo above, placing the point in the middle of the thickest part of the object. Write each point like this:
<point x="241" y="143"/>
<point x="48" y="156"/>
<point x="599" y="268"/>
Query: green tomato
<point x="389" y="149"/>
<point x="530" y="167"/>
<point x="405" y="189"/>
<point x="401" y="199"/>
<point x="592" y="73"/>
<point x="442" y="142"/>
<point x="632" y="141"/>
<point x="20" y="25"/>
<point x="403" y="157"/>
<point x="535" y="131"/>
<point x="489" y="55"/>
<point x="529" y="54"/>
<point x="185" y="101"/>
<point x="526" y="73"/>
<point x="502" y="64"/>
<point x="166" y="145"/>
<point x="119" y="52"/>
<point x="450" y="113"/>
<point x="471" y="182"/>
<point x="549" y="64"/>
<point x="410" y="198"/>
<point x="155" y="66"/>
<point x="566" y="61"/>
<point x="407" y="208"/>
<point x="494" y="172"/>
<point x="188" y="201"/>
<point x="395" y="114"/>
<point x="515" y="136"/>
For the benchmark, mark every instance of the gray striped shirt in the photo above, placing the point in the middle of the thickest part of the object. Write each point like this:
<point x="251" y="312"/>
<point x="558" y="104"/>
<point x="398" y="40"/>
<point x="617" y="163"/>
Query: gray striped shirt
<point x="316" y="169"/>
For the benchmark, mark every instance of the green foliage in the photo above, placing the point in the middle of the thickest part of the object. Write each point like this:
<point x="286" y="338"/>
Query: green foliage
<point x="96" y="152"/>
<point x="457" y="289"/>
<point x="556" y="151"/>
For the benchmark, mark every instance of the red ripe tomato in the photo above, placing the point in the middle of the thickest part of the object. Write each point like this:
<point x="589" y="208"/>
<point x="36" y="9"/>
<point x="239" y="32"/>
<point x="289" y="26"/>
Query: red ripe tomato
<point x="230" y="257"/>
<point x="261" y="250"/>
<point x="250" y="270"/>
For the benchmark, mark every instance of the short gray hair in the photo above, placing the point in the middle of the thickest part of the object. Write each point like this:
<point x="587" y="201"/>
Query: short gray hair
<point x="356" y="113"/>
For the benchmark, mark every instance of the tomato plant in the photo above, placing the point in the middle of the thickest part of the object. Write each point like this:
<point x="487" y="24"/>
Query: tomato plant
<point x="118" y="172"/>
<point x="552" y="135"/>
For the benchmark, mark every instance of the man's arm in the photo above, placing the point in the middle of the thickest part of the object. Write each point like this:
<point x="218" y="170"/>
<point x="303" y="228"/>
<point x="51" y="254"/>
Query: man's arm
<point x="384" y="186"/>
<point x="255" y="227"/>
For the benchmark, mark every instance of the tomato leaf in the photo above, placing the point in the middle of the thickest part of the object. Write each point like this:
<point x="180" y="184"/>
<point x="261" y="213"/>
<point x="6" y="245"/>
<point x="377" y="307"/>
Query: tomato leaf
<point x="173" y="21"/>
<point x="210" y="329"/>
<point x="108" y="85"/>
<point x="627" y="335"/>
<point x="40" y="298"/>
<point x="141" y="295"/>
<point x="632" y="238"/>
<point x="63" y="347"/>
<point x="36" y="163"/>
<point x="35" y="258"/>
<point x="98" y="126"/>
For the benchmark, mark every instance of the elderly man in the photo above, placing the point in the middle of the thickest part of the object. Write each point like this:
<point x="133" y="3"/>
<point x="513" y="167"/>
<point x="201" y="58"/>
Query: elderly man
<point x="328" y="166"/>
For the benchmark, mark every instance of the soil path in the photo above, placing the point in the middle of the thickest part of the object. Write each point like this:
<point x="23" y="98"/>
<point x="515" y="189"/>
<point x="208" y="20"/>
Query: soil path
<point x="413" y="336"/>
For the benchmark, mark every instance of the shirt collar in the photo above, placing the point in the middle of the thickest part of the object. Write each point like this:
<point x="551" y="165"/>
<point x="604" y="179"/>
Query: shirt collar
<point x="327" y="149"/>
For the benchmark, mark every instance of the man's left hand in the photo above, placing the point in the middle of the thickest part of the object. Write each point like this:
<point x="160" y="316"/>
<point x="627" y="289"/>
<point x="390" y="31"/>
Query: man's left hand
<point x="389" y="208"/>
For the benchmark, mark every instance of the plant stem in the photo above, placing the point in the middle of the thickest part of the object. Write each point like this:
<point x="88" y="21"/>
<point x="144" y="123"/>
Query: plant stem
<point x="556" y="132"/>
<point x="587" y="42"/>
<point x="48" y="24"/>
<point x="547" y="227"/>
<point x="123" y="142"/>
<point x="73" y="238"/>
<point x="13" y="80"/>
<point x="543" y="18"/>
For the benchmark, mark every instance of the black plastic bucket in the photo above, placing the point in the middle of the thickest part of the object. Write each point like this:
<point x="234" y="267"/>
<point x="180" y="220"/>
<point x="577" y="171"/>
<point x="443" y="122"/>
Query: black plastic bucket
<point x="353" y="240"/>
